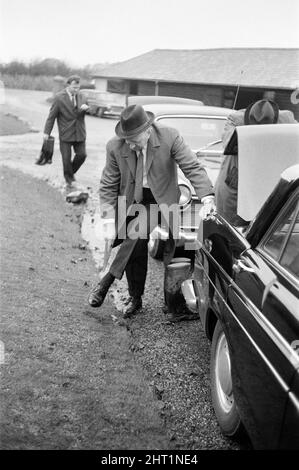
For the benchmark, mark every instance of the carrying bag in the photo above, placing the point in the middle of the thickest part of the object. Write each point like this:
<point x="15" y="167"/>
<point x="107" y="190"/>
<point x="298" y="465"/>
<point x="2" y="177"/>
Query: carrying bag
<point x="46" y="152"/>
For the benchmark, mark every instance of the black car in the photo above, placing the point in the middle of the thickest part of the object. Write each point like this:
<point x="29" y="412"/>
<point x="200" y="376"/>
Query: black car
<point x="245" y="286"/>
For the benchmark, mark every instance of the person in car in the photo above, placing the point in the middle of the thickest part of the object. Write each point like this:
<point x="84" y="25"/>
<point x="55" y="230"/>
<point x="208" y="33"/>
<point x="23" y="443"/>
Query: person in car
<point x="226" y="185"/>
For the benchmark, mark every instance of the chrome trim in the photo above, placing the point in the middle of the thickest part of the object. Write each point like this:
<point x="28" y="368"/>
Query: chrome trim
<point x="189" y="294"/>
<point x="205" y="116"/>
<point x="187" y="203"/>
<point x="294" y="399"/>
<point x="289" y="276"/>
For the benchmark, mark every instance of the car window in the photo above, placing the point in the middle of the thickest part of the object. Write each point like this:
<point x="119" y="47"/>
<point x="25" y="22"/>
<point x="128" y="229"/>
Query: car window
<point x="290" y="256"/>
<point x="282" y="244"/>
<point x="196" y="131"/>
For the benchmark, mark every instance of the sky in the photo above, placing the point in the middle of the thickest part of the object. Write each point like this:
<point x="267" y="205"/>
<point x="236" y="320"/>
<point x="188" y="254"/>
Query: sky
<point x="82" y="32"/>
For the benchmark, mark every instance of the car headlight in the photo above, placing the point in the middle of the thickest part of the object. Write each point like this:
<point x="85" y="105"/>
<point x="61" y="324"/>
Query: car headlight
<point x="185" y="196"/>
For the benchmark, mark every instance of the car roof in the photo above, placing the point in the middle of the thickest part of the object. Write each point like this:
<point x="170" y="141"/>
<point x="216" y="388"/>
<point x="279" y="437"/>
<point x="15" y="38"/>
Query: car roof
<point x="157" y="99"/>
<point x="186" y="109"/>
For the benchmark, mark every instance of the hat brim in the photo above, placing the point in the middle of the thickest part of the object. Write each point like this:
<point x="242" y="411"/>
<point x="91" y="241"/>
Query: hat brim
<point x="126" y="135"/>
<point x="248" y="109"/>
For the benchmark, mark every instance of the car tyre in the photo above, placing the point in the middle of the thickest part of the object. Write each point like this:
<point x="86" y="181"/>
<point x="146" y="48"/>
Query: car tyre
<point x="156" y="248"/>
<point x="221" y="385"/>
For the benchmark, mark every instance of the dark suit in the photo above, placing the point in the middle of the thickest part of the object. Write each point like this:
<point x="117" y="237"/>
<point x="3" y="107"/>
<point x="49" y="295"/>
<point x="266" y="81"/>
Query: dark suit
<point x="72" y="132"/>
<point x="166" y="150"/>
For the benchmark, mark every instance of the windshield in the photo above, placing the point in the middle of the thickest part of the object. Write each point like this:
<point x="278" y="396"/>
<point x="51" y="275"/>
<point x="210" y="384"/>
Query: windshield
<point x="196" y="131"/>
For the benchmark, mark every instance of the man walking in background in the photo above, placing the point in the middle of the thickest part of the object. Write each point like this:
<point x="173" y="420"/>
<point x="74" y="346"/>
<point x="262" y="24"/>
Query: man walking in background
<point x="69" y="108"/>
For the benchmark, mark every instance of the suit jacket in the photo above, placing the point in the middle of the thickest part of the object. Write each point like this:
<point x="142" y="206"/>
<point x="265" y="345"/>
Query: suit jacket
<point x="165" y="150"/>
<point x="70" y="120"/>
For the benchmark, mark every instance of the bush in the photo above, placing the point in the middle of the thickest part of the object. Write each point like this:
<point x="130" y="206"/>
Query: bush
<point x="27" y="82"/>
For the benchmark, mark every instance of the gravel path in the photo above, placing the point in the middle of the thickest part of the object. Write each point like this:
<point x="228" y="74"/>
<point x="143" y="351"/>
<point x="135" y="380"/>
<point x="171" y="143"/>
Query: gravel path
<point x="172" y="359"/>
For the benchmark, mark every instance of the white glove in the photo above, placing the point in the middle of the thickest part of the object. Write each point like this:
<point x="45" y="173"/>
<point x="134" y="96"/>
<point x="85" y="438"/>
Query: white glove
<point x="208" y="210"/>
<point x="84" y="107"/>
<point x="104" y="228"/>
<point x="109" y="230"/>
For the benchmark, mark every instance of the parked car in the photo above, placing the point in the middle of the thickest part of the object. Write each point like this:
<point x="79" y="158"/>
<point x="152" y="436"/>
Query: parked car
<point x="158" y="99"/>
<point x="201" y="127"/>
<point x="246" y="288"/>
<point x="102" y="103"/>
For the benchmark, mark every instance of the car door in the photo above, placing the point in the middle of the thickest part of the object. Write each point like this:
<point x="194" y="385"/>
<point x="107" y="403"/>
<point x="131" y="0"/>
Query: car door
<point x="222" y="243"/>
<point x="281" y="249"/>
<point x="262" y="323"/>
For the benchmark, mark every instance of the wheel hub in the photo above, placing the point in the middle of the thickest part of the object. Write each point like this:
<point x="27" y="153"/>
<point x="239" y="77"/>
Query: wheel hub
<point x="223" y="375"/>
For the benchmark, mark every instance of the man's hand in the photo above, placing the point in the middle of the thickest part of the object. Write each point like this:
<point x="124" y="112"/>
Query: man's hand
<point x="45" y="136"/>
<point x="105" y="229"/>
<point x="208" y="209"/>
<point x="109" y="230"/>
<point x="84" y="107"/>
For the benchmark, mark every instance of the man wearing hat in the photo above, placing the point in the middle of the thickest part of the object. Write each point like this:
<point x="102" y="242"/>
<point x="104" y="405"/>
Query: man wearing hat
<point x="226" y="186"/>
<point x="141" y="166"/>
<point x="69" y="108"/>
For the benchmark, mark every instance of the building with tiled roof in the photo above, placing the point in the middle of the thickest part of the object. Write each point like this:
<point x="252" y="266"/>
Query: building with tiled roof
<point x="210" y="75"/>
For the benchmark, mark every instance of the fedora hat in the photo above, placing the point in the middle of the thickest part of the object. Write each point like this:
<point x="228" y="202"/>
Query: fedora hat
<point x="261" y="112"/>
<point x="133" y="120"/>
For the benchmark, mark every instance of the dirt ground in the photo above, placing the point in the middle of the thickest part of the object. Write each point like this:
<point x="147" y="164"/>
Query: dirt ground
<point x="69" y="380"/>
<point x="76" y="377"/>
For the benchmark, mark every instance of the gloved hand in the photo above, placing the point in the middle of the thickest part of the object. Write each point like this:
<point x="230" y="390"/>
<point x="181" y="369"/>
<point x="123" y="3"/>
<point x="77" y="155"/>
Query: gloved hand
<point x="84" y="107"/>
<point x="208" y="210"/>
<point x="109" y="229"/>
<point x="104" y="228"/>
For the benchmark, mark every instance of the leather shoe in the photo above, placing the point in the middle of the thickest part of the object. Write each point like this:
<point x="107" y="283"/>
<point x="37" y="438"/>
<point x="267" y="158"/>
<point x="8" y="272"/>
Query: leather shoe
<point x="177" y="317"/>
<point x="135" y="304"/>
<point x="98" y="293"/>
<point x="41" y="160"/>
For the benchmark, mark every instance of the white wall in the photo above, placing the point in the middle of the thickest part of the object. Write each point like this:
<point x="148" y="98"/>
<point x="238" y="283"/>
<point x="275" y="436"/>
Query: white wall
<point x="101" y="84"/>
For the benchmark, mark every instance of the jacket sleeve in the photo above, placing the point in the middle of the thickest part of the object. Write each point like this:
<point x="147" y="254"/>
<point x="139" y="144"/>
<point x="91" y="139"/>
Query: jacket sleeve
<point x="234" y="119"/>
<point x="286" y="117"/>
<point x="109" y="185"/>
<point x="191" y="167"/>
<point x="53" y="113"/>
<point x="82" y="99"/>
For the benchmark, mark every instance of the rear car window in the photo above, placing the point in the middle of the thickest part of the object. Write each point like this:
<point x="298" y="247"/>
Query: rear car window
<point x="282" y="244"/>
<point x="196" y="131"/>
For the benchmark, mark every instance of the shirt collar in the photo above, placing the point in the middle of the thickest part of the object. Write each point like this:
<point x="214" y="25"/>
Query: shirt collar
<point x="70" y="95"/>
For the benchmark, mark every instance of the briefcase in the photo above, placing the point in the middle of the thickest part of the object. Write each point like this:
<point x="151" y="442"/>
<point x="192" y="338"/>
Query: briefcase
<point x="46" y="152"/>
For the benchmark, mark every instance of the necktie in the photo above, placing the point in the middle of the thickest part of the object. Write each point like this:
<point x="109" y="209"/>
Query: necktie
<point x="138" y="193"/>
<point x="74" y="100"/>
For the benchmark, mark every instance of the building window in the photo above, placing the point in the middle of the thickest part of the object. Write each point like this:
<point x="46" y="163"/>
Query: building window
<point x="117" y="86"/>
<point x="228" y="98"/>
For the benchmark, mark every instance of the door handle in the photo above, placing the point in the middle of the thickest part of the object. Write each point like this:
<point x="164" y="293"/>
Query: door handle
<point x="239" y="266"/>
